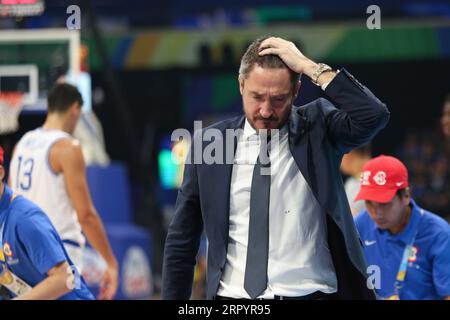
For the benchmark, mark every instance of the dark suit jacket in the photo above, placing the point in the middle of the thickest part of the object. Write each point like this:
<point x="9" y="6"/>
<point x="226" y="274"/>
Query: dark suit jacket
<point x="319" y="134"/>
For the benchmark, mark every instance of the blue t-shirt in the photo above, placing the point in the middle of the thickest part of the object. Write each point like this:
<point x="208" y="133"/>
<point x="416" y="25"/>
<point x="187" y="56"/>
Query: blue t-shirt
<point x="428" y="271"/>
<point x="31" y="246"/>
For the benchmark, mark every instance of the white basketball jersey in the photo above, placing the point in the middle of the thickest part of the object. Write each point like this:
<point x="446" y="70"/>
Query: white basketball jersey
<point x="31" y="176"/>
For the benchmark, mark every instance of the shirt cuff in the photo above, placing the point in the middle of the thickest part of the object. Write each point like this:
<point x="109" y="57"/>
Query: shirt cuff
<point x="325" y="85"/>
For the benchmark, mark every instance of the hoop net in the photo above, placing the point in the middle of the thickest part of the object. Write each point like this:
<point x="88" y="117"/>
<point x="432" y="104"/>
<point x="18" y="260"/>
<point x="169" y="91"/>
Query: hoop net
<point x="10" y="107"/>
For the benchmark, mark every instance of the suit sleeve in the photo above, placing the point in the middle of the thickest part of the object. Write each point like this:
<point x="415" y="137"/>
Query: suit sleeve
<point x="355" y="115"/>
<point x="183" y="239"/>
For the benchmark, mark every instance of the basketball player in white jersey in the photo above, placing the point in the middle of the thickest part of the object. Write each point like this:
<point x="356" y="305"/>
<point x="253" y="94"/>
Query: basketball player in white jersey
<point x="48" y="168"/>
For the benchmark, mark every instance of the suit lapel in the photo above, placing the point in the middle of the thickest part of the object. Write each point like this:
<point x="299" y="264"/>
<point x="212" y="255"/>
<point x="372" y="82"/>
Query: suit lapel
<point x="220" y="176"/>
<point x="299" y="147"/>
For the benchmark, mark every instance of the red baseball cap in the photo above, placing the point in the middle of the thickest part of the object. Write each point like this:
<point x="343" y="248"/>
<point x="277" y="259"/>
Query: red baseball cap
<point x="1" y="155"/>
<point x="381" y="178"/>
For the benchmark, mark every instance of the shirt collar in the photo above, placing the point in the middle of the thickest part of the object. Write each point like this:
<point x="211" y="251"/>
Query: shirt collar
<point x="249" y="131"/>
<point x="410" y="231"/>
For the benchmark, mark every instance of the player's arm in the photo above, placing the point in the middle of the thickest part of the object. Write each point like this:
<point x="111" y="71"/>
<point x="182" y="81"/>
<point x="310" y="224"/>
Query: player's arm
<point x="66" y="157"/>
<point x="57" y="284"/>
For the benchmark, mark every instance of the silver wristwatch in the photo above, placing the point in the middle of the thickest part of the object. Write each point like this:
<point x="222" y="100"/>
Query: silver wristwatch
<point x="321" y="68"/>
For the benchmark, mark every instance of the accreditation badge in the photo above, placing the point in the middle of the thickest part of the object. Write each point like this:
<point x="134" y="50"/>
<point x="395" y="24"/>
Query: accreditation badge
<point x="6" y="277"/>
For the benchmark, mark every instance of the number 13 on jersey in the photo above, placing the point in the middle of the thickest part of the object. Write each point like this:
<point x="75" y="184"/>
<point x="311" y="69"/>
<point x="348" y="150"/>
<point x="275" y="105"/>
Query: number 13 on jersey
<point x="24" y="172"/>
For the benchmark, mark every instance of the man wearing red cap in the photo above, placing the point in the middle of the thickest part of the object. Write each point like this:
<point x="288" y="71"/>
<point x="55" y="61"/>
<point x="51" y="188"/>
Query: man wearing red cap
<point x="409" y="246"/>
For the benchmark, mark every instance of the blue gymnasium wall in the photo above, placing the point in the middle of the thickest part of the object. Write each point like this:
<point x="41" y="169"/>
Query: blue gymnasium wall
<point x="110" y="190"/>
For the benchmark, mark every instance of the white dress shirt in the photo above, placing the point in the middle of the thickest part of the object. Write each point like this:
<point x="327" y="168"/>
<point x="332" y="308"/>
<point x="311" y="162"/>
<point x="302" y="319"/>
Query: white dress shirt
<point x="299" y="259"/>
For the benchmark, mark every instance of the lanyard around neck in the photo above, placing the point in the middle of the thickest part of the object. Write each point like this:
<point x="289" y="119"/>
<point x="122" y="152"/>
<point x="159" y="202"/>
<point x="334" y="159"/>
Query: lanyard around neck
<point x="407" y="253"/>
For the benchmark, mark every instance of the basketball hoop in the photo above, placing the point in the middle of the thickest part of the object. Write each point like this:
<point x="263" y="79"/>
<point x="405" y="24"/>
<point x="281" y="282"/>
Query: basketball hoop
<point x="10" y="107"/>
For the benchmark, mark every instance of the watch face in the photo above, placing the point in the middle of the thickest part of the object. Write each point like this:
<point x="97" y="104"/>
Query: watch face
<point x="324" y="67"/>
<point x="321" y="68"/>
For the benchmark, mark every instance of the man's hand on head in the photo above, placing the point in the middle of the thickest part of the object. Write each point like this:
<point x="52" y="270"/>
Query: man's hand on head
<point x="293" y="58"/>
<point x="287" y="51"/>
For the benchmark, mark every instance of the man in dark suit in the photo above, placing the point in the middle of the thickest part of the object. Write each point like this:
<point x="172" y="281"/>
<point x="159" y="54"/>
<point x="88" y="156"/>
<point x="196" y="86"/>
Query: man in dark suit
<point x="290" y="234"/>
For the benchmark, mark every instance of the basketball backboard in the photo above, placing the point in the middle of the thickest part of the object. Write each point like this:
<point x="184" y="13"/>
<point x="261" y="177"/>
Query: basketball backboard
<point x="33" y="60"/>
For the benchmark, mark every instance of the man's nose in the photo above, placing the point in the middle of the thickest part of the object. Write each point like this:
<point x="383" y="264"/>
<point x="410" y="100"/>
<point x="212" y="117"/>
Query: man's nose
<point x="266" y="110"/>
<point x="379" y="212"/>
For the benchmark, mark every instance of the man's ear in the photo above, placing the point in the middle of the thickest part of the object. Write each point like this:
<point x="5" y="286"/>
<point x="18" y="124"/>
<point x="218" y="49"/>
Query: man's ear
<point x="241" y="84"/>
<point x="75" y="107"/>
<point x="2" y="173"/>
<point x="407" y="197"/>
